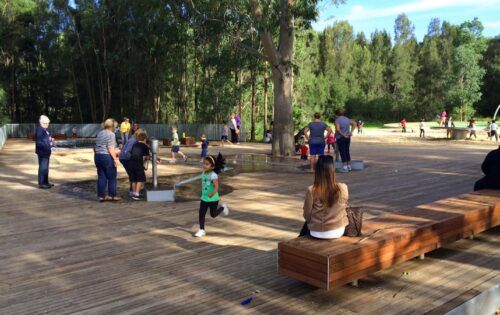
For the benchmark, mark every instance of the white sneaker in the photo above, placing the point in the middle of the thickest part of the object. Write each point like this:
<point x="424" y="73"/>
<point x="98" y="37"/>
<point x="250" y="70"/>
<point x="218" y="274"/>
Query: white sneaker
<point x="200" y="233"/>
<point x="172" y="161"/>
<point x="225" y="212"/>
<point x="349" y="168"/>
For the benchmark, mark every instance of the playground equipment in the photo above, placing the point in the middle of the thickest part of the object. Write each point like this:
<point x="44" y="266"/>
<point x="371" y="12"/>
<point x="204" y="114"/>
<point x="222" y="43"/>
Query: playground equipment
<point x="158" y="194"/>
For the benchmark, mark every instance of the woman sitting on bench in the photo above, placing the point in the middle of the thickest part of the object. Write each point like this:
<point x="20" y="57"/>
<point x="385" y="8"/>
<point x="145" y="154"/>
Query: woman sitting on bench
<point x="491" y="170"/>
<point x="326" y="203"/>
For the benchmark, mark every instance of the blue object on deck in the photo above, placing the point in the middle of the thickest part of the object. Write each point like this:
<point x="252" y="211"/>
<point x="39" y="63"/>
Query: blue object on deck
<point x="247" y="301"/>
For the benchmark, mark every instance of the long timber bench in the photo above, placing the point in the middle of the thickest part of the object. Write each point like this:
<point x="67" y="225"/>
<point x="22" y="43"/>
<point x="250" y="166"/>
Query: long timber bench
<point x="388" y="240"/>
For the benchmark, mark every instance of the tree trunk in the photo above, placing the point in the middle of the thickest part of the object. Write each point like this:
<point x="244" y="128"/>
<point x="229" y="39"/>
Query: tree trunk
<point x="283" y="123"/>
<point x="252" y="113"/>
<point x="281" y="61"/>
<point x="266" y="87"/>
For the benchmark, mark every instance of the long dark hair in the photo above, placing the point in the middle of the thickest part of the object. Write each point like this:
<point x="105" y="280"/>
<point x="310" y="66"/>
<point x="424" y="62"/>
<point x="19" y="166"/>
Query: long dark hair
<point x="325" y="188"/>
<point x="216" y="162"/>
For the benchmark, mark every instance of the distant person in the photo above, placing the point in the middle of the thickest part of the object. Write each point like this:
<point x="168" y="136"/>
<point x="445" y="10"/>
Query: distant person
<point x="126" y="154"/>
<point x="442" y="121"/>
<point x="325" y="204"/>
<point x="360" y="124"/>
<point x="493" y="130"/>
<point x="233" y="126"/>
<point x="488" y="129"/>
<point x="134" y="129"/>
<point x="268" y="137"/>
<point x="224" y="134"/>
<point x="449" y="124"/>
<point x="330" y="141"/>
<point x="316" y="137"/>
<point x="176" y="146"/>
<point x="422" y="128"/>
<point x="43" y="149"/>
<point x="403" y="125"/>
<point x="297" y="139"/>
<point x="344" y="128"/>
<point x="106" y="161"/>
<point x="491" y="170"/>
<point x="73" y="133"/>
<point x="304" y="151"/>
<point x="237" y="118"/>
<point x="472" y="127"/>
<point x="204" y="147"/>
<point x="124" y="129"/>
<point x="140" y="152"/>
<point x="212" y="166"/>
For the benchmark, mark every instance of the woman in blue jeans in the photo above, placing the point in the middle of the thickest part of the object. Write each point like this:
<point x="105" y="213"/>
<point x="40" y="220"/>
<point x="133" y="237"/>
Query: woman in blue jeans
<point x="106" y="161"/>
<point x="315" y="133"/>
<point x="344" y="128"/>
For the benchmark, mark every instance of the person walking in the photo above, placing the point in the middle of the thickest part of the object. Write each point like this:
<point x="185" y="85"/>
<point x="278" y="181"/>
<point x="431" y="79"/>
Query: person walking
<point x="344" y="128"/>
<point x="472" y="127"/>
<point x="43" y="148"/>
<point x="493" y="130"/>
<point x="106" y="161"/>
<point x="422" y="128"/>
<point x="403" y="125"/>
<point x="315" y="133"/>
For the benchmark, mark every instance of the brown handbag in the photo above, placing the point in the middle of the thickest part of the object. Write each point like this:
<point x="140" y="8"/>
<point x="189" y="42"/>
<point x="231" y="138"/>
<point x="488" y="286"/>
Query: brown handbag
<point x="355" y="217"/>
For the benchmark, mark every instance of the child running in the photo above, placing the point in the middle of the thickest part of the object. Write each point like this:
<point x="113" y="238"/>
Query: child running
<point x="204" y="147"/>
<point x="210" y="191"/>
<point x="176" y="146"/>
<point x="139" y="153"/>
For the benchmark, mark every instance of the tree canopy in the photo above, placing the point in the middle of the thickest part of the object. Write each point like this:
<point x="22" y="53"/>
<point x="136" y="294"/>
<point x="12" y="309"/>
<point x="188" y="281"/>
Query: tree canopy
<point x="196" y="61"/>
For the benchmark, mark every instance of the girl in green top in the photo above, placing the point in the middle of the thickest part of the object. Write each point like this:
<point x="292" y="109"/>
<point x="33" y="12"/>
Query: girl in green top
<point x="210" y="191"/>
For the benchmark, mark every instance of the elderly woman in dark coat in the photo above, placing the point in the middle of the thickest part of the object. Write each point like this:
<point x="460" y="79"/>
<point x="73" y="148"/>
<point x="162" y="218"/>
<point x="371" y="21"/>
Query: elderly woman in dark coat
<point x="43" y="149"/>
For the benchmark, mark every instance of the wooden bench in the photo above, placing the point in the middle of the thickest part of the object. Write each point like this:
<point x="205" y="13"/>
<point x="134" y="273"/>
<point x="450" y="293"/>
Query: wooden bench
<point x="388" y="239"/>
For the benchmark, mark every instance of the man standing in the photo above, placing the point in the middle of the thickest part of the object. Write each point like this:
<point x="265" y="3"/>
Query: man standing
<point x="43" y="148"/>
<point x="344" y="128"/>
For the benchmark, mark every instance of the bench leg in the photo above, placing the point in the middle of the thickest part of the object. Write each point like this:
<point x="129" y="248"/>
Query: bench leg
<point x="421" y="257"/>
<point x="354" y="283"/>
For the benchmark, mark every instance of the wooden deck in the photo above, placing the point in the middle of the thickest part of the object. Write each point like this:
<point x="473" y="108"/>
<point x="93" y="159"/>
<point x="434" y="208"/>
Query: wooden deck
<point x="60" y="254"/>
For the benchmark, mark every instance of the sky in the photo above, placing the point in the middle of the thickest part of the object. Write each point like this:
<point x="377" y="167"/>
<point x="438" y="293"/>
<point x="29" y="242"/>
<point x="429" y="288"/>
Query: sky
<point x="367" y="16"/>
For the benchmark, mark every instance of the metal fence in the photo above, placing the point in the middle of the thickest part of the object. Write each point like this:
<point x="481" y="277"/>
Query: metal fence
<point x="158" y="131"/>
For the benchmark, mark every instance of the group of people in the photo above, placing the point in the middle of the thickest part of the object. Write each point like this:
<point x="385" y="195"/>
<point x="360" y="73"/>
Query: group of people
<point x="325" y="203"/>
<point x="319" y="134"/>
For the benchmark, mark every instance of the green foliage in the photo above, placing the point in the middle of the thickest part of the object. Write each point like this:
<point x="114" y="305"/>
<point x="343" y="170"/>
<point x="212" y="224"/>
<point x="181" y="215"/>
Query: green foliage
<point x="175" y="61"/>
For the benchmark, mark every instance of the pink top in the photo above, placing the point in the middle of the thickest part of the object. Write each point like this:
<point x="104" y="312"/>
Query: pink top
<point x="443" y="114"/>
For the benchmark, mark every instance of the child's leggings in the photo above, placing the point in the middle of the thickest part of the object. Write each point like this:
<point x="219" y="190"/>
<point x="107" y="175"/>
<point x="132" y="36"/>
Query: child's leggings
<point x="332" y="146"/>
<point x="215" y="210"/>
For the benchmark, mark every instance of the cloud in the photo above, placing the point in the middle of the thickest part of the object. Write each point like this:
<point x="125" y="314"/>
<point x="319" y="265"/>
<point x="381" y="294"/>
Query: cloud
<point x="359" y="12"/>
<point x="493" y="25"/>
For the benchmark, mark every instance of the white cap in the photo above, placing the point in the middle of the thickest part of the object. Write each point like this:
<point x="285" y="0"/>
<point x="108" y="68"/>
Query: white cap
<point x="44" y="119"/>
